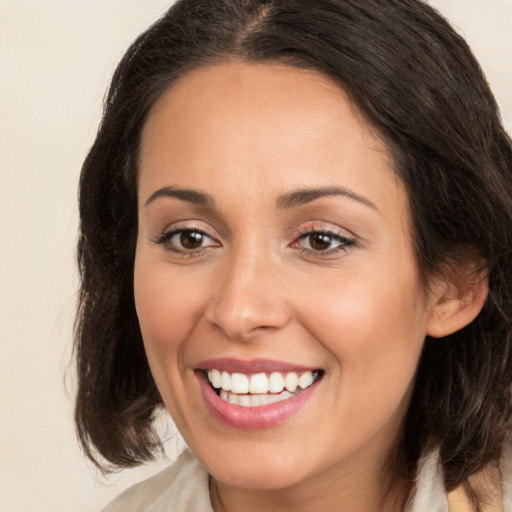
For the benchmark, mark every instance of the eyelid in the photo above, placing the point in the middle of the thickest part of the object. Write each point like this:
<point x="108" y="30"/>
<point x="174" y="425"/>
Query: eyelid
<point x="322" y="227"/>
<point x="347" y="240"/>
<point x="169" y="235"/>
<point x="188" y="225"/>
<point x="170" y="230"/>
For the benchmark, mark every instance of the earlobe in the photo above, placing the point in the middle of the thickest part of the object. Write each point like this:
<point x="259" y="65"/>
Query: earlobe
<point x="457" y="303"/>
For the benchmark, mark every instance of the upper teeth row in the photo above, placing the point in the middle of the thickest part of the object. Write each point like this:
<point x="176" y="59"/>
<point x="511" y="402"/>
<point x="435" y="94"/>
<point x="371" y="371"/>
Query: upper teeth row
<point x="259" y="383"/>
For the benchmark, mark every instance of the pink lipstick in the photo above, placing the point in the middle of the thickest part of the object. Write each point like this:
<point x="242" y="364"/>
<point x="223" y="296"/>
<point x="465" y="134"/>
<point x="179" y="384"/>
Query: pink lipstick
<point x="255" y="394"/>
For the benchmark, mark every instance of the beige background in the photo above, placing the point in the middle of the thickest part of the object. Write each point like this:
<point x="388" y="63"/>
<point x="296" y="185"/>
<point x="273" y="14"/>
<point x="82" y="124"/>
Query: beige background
<point x="56" y="58"/>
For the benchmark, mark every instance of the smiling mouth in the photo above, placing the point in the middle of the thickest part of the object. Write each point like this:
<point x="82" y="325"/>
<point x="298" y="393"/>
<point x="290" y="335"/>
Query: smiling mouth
<point x="259" y="389"/>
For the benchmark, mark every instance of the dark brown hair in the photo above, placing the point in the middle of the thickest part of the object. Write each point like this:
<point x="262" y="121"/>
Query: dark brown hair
<point x="416" y="80"/>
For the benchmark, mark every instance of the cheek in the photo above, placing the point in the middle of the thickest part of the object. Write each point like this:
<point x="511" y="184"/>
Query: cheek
<point x="166" y="307"/>
<point x="374" y="335"/>
<point x="374" y="327"/>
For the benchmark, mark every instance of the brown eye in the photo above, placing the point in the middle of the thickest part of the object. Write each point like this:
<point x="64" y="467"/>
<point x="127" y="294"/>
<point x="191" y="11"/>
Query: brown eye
<point x="186" y="240"/>
<point x="320" y="241"/>
<point x="191" y="239"/>
<point x="323" y="242"/>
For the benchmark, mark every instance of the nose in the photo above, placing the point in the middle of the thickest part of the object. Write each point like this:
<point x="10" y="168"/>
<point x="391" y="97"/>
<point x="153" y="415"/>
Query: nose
<point x="249" y="297"/>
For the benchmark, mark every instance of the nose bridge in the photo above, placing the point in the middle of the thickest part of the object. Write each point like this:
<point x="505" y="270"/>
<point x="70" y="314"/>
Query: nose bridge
<point x="248" y="296"/>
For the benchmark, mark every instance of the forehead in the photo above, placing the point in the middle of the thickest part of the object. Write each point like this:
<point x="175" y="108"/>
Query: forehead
<point x="284" y="91"/>
<point x="256" y="125"/>
<point x="250" y="81"/>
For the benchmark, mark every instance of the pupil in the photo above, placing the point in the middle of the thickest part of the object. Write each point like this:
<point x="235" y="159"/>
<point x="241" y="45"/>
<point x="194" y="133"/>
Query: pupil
<point x="191" y="239"/>
<point x="320" y="241"/>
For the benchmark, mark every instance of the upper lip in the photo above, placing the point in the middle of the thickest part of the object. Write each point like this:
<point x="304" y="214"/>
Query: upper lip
<point x="232" y="365"/>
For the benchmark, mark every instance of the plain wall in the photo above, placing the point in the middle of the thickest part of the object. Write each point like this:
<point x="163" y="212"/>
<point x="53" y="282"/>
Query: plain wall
<point x="56" y="58"/>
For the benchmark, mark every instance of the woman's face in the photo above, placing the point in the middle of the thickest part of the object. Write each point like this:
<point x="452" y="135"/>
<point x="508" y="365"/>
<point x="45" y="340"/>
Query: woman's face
<point x="274" y="246"/>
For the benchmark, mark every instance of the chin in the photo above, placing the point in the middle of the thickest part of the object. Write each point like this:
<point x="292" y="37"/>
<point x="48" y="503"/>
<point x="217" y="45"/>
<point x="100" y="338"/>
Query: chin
<point x="258" y="480"/>
<point x="273" y="472"/>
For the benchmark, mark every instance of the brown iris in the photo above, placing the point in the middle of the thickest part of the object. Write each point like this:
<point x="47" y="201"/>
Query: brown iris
<point x="320" y="241"/>
<point x="191" y="239"/>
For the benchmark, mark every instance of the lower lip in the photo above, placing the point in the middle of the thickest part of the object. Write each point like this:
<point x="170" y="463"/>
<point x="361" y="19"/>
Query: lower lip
<point x="253" y="418"/>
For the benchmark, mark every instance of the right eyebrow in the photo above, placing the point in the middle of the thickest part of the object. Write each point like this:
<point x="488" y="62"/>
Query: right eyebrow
<point x="184" y="194"/>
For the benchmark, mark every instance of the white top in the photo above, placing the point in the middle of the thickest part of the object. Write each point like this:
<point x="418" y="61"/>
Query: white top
<point x="183" y="487"/>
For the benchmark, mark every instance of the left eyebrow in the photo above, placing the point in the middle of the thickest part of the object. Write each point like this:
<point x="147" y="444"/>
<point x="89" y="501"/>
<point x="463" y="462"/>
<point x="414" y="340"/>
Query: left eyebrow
<point x="307" y="195"/>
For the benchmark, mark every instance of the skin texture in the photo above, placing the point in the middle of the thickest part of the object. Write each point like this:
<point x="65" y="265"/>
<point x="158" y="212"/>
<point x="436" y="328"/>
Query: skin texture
<point x="247" y="134"/>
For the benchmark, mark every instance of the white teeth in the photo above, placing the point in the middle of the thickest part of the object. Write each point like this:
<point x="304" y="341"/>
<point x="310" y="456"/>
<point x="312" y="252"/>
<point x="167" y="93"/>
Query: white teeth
<point x="275" y="383"/>
<point x="226" y="381"/>
<point x="244" y="400"/>
<point x="239" y="383"/>
<point x="253" y="400"/>
<point x="214" y="376"/>
<point x="256" y="400"/>
<point x="306" y="379"/>
<point x="259" y="384"/>
<point x="291" y="381"/>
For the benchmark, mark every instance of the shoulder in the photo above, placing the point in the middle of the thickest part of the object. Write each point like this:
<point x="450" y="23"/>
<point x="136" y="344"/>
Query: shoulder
<point x="429" y="493"/>
<point x="182" y="486"/>
<point x="494" y="483"/>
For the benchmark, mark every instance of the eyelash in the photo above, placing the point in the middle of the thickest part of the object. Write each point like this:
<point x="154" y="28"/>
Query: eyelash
<point x="166" y="237"/>
<point x="343" y="242"/>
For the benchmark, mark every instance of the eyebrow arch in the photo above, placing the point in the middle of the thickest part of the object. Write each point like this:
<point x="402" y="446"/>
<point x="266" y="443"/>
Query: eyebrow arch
<point x="184" y="194"/>
<point x="307" y="195"/>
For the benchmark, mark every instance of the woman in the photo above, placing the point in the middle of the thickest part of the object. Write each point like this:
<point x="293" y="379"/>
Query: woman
<point x="296" y="223"/>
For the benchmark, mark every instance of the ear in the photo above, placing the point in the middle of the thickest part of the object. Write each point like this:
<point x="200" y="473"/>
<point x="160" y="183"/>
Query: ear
<point x="456" y="299"/>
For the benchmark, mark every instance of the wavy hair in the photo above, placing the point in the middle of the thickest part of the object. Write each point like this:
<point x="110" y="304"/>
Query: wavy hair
<point x="415" y="79"/>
